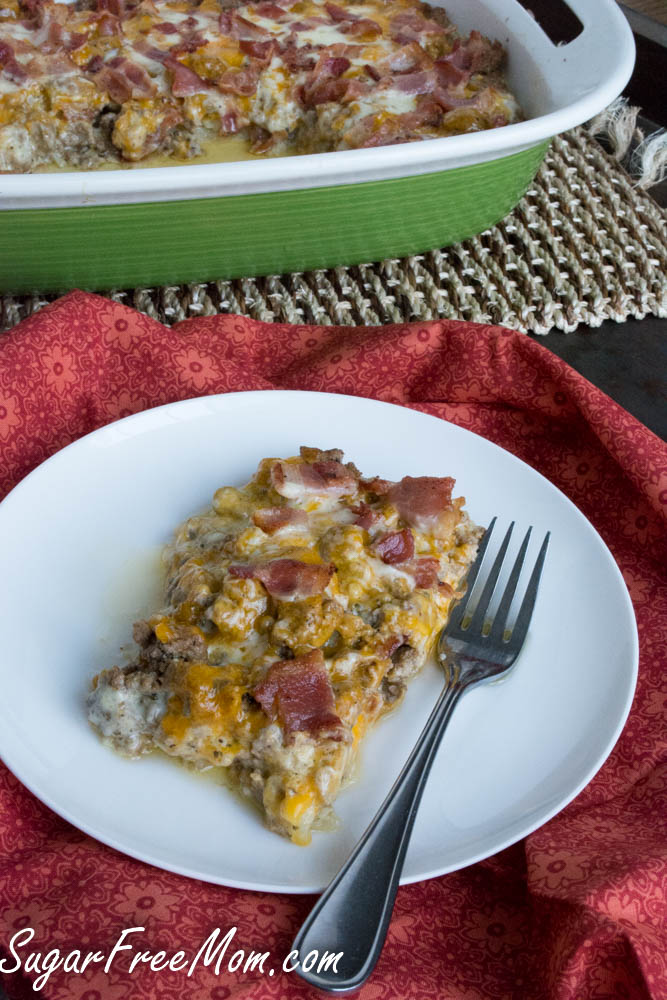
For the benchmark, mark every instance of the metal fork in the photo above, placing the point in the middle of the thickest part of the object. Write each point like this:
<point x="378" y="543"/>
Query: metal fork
<point x="353" y="914"/>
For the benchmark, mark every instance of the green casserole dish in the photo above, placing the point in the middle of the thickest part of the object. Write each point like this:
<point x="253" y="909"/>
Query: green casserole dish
<point x="163" y="225"/>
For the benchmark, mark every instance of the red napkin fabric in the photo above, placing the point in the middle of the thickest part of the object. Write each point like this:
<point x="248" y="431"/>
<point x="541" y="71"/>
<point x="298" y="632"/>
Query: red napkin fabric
<point x="577" y="910"/>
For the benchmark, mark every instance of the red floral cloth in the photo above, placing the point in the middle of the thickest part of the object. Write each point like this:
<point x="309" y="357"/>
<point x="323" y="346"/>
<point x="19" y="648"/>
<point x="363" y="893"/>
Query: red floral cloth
<point x="578" y="909"/>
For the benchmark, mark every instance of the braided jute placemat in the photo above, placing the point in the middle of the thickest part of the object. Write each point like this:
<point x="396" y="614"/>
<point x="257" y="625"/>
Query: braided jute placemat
<point x="585" y="244"/>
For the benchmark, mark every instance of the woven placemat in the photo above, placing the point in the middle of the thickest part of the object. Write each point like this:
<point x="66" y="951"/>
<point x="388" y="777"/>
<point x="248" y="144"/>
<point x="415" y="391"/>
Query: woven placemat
<point x="585" y="244"/>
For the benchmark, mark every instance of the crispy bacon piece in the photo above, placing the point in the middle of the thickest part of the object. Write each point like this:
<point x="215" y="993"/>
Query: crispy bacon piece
<point x="324" y="92"/>
<point x="123" y="79"/>
<point x="365" y="516"/>
<point x="229" y="123"/>
<point x="235" y="26"/>
<point x="138" y="77"/>
<point x="395" y="547"/>
<point x="241" y="81"/>
<point x="396" y="128"/>
<point x="421" y="82"/>
<point x="272" y="519"/>
<point x="75" y="40"/>
<point x="157" y="55"/>
<point x="287" y="579"/>
<point x="298" y="695"/>
<point x="272" y="10"/>
<point x="423" y="501"/>
<point x="45" y="64"/>
<point x="391" y="644"/>
<point x="356" y="90"/>
<point x="299" y="480"/>
<point x="476" y="54"/>
<point x="338" y="14"/>
<point x="148" y="6"/>
<point x="450" y="75"/>
<point x="184" y="81"/>
<point x="454" y="68"/>
<point x="107" y="26"/>
<point x="188" y="43"/>
<point x="9" y="66"/>
<point x="226" y="22"/>
<point x="31" y="7"/>
<point x="430" y="78"/>
<point x="380" y="487"/>
<point x="116" y="7"/>
<point x="306" y="24"/>
<point x="410" y="26"/>
<point x="297" y="57"/>
<point x="364" y="28"/>
<point x="352" y="24"/>
<point x="259" y="50"/>
<point x="18" y="45"/>
<point x="250" y="31"/>
<point x="260" y="139"/>
<point x="52" y="36"/>
<point x="425" y="571"/>
<point x="449" y="102"/>
<point x="324" y="83"/>
<point x="459" y="56"/>
<point x="407" y="59"/>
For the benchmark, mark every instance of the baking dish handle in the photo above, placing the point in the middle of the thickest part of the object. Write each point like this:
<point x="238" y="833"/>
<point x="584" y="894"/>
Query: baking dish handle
<point x="604" y="50"/>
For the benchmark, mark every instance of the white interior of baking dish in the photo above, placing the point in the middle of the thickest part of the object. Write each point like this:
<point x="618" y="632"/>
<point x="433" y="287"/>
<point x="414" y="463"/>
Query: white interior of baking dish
<point x="558" y="86"/>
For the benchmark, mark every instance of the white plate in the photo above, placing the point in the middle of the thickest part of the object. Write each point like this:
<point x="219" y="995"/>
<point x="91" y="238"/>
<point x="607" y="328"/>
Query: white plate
<point x="78" y="539"/>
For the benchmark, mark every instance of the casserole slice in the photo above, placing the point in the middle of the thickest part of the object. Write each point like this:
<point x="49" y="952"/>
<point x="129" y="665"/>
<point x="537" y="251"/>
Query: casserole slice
<point x="297" y="609"/>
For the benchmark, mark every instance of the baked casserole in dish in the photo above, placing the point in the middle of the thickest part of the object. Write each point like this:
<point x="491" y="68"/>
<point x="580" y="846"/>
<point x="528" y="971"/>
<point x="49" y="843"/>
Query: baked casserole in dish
<point x="343" y="89"/>
<point x="99" y="82"/>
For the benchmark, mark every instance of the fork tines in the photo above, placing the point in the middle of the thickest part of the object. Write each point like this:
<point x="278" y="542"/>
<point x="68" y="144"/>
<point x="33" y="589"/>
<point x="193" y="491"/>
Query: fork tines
<point x="474" y="621"/>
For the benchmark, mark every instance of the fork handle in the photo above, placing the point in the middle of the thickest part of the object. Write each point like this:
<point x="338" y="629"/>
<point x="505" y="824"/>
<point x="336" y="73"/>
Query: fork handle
<point x="353" y="914"/>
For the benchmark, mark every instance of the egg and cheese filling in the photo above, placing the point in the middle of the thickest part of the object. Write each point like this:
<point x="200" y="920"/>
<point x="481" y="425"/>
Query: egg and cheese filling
<point x="296" y="609"/>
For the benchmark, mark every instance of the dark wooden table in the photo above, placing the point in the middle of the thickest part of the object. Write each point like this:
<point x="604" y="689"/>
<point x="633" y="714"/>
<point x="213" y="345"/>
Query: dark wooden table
<point x="628" y="361"/>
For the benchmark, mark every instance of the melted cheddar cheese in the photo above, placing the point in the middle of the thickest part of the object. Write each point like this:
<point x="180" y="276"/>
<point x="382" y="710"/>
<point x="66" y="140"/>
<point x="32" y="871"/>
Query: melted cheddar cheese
<point x="269" y="575"/>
